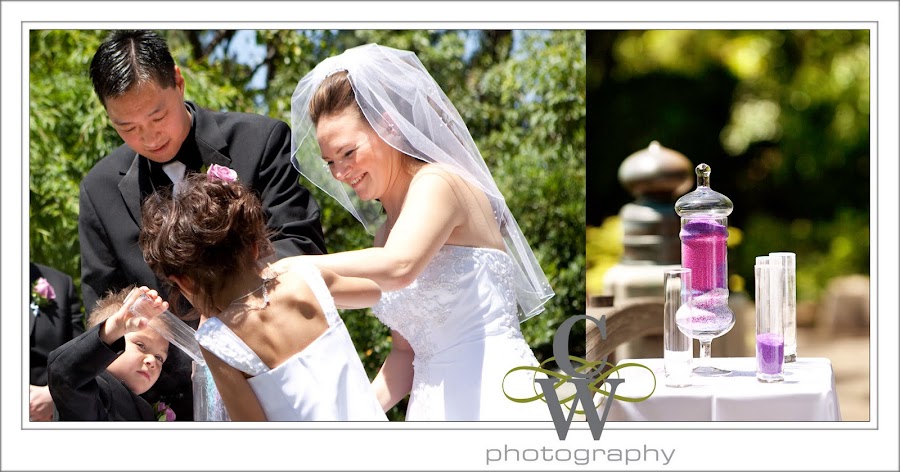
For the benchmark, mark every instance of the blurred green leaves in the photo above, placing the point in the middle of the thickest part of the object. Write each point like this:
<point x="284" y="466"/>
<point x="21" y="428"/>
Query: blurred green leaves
<point x="781" y="116"/>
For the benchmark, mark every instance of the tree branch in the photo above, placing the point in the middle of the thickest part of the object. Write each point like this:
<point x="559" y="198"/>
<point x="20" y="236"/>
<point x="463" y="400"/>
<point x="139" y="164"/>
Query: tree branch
<point x="221" y="35"/>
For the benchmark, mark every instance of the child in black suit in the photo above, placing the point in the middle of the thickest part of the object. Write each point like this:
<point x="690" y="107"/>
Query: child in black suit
<point x="100" y="375"/>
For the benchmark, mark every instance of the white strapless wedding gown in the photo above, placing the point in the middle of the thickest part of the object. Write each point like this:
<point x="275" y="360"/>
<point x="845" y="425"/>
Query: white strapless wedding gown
<point x="324" y="382"/>
<point x="460" y="318"/>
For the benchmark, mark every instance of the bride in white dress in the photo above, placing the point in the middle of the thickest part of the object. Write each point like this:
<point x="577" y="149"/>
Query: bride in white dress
<point x="449" y="256"/>
<point x="271" y="335"/>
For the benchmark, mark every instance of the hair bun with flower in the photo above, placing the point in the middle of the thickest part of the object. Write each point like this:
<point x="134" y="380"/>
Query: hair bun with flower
<point x="213" y="173"/>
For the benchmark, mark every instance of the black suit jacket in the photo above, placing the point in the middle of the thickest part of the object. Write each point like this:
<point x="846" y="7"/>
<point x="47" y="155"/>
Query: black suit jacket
<point x="83" y="390"/>
<point x="55" y="324"/>
<point x="256" y="147"/>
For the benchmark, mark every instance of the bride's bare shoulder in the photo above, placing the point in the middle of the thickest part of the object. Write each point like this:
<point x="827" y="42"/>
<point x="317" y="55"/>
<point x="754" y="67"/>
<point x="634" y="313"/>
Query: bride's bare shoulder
<point x="434" y="169"/>
<point x="430" y="174"/>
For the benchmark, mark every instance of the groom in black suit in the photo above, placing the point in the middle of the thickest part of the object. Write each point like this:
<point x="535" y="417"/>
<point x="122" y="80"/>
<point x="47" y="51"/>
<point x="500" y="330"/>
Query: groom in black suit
<point x="142" y="90"/>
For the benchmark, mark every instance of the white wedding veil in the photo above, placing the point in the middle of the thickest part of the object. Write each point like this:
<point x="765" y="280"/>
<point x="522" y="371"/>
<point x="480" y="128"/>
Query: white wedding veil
<point x="393" y="83"/>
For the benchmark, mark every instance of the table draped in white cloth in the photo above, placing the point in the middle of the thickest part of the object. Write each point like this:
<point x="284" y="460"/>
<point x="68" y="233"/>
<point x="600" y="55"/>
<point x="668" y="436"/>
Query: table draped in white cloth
<point x="806" y="394"/>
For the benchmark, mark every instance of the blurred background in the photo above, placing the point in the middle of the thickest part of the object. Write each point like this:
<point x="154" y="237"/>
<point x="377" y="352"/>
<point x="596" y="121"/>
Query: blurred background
<point x="782" y="118"/>
<point x="521" y="93"/>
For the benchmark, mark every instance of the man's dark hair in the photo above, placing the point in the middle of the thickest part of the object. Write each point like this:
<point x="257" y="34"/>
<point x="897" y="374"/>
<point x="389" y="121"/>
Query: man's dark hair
<point x="128" y="58"/>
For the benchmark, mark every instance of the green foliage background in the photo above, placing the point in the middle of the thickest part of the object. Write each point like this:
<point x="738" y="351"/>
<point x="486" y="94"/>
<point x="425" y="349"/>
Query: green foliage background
<point x="522" y="94"/>
<point x="782" y="117"/>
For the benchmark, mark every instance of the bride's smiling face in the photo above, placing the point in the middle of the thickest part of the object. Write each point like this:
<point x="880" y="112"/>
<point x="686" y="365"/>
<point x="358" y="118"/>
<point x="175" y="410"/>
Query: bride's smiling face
<point x="355" y="154"/>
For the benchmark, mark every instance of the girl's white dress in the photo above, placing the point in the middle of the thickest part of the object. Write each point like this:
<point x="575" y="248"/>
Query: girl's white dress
<point x="324" y="382"/>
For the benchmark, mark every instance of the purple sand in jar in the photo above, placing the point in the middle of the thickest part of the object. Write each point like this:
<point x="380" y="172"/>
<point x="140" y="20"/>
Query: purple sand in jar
<point x="704" y="251"/>
<point x="769" y="353"/>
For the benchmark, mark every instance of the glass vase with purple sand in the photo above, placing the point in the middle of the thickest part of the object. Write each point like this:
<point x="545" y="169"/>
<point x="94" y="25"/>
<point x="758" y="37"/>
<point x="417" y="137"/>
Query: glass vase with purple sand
<point x="769" y="320"/>
<point x="788" y="300"/>
<point x="770" y="357"/>
<point x="704" y="237"/>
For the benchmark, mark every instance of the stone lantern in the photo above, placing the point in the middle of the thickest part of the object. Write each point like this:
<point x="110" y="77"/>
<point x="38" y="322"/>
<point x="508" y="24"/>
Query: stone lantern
<point x="656" y="177"/>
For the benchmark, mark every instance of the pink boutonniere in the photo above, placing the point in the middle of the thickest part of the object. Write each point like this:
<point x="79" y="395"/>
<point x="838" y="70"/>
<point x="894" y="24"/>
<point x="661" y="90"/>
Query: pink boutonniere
<point x="216" y="171"/>
<point x="42" y="295"/>
<point x="163" y="412"/>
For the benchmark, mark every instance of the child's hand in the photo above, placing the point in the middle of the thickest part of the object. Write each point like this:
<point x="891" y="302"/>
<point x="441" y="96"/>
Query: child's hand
<point x="143" y="308"/>
<point x="125" y="320"/>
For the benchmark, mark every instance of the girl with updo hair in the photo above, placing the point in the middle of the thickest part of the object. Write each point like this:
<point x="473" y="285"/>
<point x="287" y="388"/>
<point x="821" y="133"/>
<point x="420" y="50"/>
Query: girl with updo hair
<point x="210" y="233"/>
<point x="269" y="330"/>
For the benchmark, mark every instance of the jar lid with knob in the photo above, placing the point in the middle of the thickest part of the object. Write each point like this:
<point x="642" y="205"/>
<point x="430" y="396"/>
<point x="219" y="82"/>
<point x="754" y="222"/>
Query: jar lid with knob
<point x="703" y="201"/>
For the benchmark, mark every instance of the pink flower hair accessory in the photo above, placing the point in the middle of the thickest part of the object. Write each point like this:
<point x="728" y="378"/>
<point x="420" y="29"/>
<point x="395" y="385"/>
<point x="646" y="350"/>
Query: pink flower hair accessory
<point x="216" y="171"/>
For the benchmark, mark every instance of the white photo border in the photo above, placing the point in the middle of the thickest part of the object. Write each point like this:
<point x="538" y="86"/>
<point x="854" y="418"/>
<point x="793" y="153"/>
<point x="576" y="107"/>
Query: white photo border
<point x="451" y="446"/>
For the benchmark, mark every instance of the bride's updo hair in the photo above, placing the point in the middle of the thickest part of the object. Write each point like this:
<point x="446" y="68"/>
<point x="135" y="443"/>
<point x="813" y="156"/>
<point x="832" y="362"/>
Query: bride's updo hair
<point x="333" y="96"/>
<point x="206" y="230"/>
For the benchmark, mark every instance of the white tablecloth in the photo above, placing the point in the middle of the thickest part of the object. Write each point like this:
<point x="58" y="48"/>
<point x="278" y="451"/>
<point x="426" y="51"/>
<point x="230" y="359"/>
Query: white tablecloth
<point x="806" y="394"/>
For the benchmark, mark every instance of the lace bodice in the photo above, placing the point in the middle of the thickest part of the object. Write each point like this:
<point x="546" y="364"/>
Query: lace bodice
<point x="460" y="319"/>
<point x="451" y="297"/>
